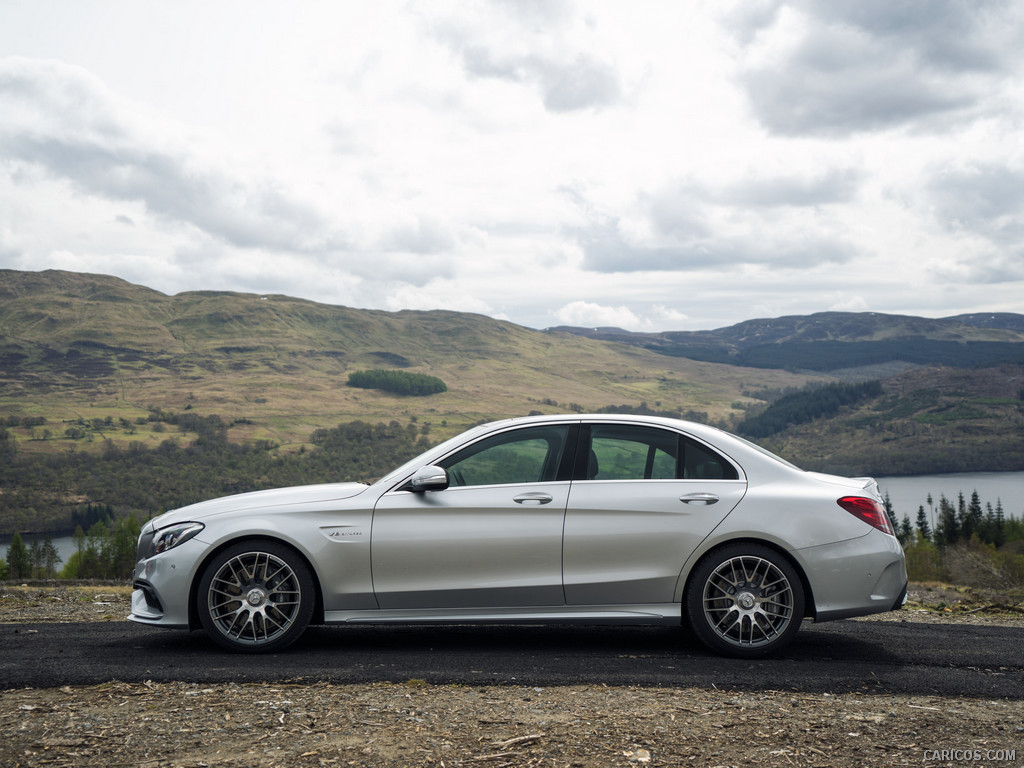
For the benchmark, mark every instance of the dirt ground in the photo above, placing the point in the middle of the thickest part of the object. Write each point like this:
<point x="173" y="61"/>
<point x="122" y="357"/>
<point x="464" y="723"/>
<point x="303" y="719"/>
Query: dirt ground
<point x="184" y="725"/>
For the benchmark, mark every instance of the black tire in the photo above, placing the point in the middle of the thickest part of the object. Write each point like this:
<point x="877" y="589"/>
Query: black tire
<point x="256" y="596"/>
<point x="745" y="601"/>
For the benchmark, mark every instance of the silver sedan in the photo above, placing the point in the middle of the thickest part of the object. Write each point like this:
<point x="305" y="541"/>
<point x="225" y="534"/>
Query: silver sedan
<point x="585" y="519"/>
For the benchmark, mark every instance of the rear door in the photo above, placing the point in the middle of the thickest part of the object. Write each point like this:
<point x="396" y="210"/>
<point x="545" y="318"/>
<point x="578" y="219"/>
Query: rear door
<point x="644" y="498"/>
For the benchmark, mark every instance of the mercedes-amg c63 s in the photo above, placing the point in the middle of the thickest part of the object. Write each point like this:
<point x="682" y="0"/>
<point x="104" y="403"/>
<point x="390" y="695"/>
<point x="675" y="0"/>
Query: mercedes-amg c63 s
<point x="559" y="519"/>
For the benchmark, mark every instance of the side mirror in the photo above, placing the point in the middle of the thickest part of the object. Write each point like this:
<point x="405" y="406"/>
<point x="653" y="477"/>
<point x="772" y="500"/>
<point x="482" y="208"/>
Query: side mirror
<point x="428" y="479"/>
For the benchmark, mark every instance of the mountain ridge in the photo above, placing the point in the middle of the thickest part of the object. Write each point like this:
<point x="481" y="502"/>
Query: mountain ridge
<point x="835" y="341"/>
<point x="846" y="326"/>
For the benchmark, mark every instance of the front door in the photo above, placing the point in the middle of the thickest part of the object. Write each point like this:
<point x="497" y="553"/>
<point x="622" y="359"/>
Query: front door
<point x="492" y="539"/>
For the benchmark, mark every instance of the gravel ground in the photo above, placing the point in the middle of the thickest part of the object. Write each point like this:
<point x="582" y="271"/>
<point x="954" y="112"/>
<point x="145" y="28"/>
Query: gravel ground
<point x="183" y="725"/>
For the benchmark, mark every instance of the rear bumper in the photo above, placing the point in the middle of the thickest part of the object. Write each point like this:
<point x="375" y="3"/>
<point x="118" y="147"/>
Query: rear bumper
<point x="857" y="577"/>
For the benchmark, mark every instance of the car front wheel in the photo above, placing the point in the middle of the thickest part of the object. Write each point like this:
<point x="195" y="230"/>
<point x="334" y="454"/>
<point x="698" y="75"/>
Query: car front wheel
<point x="256" y="597"/>
<point x="745" y="600"/>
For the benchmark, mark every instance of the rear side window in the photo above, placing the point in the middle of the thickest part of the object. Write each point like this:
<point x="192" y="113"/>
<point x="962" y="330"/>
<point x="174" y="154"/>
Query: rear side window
<point x="627" y="452"/>
<point x="701" y="463"/>
<point x="631" y="453"/>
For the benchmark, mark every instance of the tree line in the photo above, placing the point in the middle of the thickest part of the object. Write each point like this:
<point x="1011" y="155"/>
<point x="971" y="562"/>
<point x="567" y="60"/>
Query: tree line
<point x="106" y="551"/>
<point x="966" y="545"/>
<point x="806" y="406"/>
<point x="829" y="355"/>
<point x="957" y="521"/>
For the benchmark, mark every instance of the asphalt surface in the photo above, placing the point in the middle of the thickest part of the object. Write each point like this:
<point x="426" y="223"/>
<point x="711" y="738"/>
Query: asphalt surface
<point x="839" y="657"/>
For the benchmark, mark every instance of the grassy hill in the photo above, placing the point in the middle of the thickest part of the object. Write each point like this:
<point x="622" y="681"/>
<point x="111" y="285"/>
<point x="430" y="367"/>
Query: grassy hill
<point x="77" y="348"/>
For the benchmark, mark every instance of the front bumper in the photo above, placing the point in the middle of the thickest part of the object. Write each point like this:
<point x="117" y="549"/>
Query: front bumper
<point x="162" y="586"/>
<point x="146" y="608"/>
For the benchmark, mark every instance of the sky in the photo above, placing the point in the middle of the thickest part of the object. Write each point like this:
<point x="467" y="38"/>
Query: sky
<point x="678" y="165"/>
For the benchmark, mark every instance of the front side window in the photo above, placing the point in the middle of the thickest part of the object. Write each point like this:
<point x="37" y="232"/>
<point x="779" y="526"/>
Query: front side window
<point x="627" y="452"/>
<point x="530" y="455"/>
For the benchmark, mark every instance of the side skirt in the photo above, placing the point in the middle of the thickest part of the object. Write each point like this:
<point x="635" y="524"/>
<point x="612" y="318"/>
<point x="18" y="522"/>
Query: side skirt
<point x="654" y="613"/>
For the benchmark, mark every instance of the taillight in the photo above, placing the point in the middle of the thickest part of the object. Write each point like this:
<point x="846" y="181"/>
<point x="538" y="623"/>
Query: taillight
<point x="868" y="510"/>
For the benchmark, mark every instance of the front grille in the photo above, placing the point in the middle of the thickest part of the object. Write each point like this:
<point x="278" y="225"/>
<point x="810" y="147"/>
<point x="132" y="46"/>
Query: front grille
<point x="144" y="541"/>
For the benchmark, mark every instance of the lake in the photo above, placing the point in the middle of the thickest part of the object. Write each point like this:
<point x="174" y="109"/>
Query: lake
<point x="905" y="493"/>
<point x="909" y="493"/>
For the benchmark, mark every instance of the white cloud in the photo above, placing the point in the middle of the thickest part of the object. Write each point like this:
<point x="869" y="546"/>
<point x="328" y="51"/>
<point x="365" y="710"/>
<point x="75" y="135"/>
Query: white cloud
<point x="840" y="68"/>
<point x="850" y="304"/>
<point x="66" y="123"/>
<point x="589" y="314"/>
<point x="654" y="167"/>
<point x="666" y="317"/>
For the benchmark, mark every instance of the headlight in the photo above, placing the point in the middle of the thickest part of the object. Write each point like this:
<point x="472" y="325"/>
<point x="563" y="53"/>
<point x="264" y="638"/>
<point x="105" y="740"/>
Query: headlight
<point x="172" y="536"/>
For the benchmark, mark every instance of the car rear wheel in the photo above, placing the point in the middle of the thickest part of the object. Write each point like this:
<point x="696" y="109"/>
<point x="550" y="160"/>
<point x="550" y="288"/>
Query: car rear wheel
<point x="745" y="600"/>
<point x="256" y="597"/>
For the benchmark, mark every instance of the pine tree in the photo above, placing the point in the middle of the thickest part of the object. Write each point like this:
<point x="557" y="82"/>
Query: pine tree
<point x="18" y="566"/>
<point x="965" y="524"/>
<point x="49" y="559"/>
<point x="122" y="548"/>
<point x="974" y="511"/>
<point x="97" y="552"/>
<point x="906" y="530"/>
<point x="924" y="530"/>
<point x="890" y="513"/>
<point x="947" y="530"/>
<point x="999" y="525"/>
<point x="79" y="538"/>
<point x="35" y="560"/>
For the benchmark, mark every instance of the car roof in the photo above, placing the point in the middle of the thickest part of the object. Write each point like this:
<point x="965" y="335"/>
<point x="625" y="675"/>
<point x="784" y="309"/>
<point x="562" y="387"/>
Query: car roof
<point x="740" y="451"/>
<point x="693" y="427"/>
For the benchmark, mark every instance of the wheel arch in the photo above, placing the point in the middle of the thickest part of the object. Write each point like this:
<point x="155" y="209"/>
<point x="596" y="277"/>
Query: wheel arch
<point x="809" y="604"/>
<point x="193" y="590"/>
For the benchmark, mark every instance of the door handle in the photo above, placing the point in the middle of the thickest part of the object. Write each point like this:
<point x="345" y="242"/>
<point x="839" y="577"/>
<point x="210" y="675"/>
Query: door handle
<point x="699" y="498"/>
<point x="533" y="498"/>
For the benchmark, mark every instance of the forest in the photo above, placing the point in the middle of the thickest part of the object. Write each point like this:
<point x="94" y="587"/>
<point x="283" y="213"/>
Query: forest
<point x="404" y="383"/>
<point x="42" y="491"/>
<point x="806" y="406"/>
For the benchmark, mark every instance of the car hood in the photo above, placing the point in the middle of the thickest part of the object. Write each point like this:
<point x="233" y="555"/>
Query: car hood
<point x="299" y="497"/>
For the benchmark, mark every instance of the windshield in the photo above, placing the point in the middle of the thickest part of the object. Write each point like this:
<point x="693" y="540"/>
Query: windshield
<point x="430" y="455"/>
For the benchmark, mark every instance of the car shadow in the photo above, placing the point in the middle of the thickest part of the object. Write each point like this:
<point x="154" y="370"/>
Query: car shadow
<point x="843" y="656"/>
